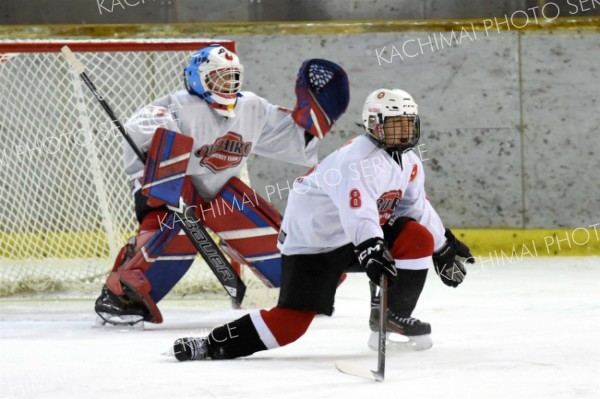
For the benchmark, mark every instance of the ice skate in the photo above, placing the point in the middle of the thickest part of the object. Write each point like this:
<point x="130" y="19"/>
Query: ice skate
<point x="190" y="349"/>
<point x="403" y="333"/>
<point x="118" y="310"/>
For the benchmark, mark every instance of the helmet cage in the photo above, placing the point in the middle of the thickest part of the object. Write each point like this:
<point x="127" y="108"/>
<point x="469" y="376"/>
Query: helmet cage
<point x="226" y="82"/>
<point x="215" y="75"/>
<point x="403" y="134"/>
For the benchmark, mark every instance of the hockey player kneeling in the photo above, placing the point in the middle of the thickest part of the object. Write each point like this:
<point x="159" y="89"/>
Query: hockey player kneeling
<point x="375" y="217"/>
<point x="198" y="141"/>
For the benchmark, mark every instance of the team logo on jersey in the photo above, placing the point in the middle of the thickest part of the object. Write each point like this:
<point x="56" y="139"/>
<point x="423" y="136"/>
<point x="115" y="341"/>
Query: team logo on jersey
<point x="387" y="203"/>
<point x="226" y="152"/>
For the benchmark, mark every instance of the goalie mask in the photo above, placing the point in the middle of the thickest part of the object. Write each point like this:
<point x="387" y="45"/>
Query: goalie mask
<point x="215" y="75"/>
<point x="391" y="118"/>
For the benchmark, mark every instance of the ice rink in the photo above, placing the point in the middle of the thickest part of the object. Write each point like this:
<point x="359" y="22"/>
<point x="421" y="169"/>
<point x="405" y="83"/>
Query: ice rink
<point x="526" y="329"/>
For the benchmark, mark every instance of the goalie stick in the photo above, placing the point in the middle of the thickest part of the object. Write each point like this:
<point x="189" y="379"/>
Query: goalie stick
<point x="192" y="227"/>
<point x="360" y="371"/>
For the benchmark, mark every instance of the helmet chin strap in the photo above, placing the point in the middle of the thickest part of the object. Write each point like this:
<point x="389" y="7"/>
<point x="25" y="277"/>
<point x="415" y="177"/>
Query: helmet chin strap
<point x="216" y="105"/>
<point x="213" y="104"/>
<point x="226" y="111"/>
<point x="395" y="152"/>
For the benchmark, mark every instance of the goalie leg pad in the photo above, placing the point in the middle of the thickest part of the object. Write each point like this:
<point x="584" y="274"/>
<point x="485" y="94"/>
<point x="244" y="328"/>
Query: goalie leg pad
<point x="249" y="226"/>
<point x="152" y="262"/>
<point x="137" y="287"/>
<point x="165" y="258"/>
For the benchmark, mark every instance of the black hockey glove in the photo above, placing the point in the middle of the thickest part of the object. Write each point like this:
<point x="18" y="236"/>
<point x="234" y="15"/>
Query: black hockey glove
<point x="374" y="256"/>
<point x="450" y="261"/>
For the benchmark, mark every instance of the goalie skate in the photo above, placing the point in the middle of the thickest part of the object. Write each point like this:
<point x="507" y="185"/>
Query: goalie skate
<point x="118" y="311"/>
<point x="123" y="323"/>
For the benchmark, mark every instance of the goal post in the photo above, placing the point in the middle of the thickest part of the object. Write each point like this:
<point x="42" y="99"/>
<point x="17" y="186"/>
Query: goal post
<point x="65" y="202"/>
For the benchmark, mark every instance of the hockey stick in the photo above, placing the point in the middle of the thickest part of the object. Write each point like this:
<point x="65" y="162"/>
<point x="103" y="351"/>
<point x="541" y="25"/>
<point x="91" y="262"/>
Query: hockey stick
<point x="192" y="227"/>
<point x="359" y="371"/>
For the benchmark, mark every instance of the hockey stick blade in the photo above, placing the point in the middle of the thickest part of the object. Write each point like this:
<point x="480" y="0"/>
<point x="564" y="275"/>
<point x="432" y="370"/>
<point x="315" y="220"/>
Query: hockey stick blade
<point x="196" y="232"/>
<point x="358" y="371"/>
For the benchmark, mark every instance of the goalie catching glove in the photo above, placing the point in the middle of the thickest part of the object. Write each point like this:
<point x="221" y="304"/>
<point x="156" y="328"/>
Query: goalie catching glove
<point x="450" y="261"/>
<point x="322" y="93"/>
<point x="375" y="257"/>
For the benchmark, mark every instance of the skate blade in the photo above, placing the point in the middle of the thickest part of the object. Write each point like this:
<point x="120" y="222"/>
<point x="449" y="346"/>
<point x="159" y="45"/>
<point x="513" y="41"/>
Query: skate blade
<point x="401" y="343"/>
<point x="109" y="321"/>
<point x="169" y="353"/>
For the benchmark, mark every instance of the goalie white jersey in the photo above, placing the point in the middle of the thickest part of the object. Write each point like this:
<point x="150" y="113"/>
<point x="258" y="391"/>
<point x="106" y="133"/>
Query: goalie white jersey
<point x="221" y="145"/>
<point x="350" y="194"/>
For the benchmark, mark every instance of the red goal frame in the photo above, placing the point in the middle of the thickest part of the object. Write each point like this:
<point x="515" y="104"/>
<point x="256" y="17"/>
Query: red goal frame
<point x="49" y="46"/>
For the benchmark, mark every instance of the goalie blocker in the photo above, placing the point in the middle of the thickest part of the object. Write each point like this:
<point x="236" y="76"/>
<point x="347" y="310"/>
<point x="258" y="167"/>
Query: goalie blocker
<point x="154" y="260"/>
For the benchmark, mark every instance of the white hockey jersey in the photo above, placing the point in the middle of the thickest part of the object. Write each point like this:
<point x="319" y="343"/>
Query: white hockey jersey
<point x="221" y="145"/>
<point x="350" y="194"/>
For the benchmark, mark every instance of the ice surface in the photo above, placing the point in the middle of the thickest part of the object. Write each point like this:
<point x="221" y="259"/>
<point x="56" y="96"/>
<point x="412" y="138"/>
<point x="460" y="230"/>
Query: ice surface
<point x="526" y="329"/>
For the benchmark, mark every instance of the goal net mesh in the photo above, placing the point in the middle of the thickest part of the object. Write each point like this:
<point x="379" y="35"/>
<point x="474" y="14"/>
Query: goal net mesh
<point x="65" y="205"/>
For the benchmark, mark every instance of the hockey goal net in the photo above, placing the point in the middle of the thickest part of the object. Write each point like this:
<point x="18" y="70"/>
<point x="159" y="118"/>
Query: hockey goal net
<point x="65" y="203"/>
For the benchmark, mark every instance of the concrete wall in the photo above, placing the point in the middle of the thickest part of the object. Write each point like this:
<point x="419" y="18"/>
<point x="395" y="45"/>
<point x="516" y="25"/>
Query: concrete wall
<point x="510" y="123"/>
<point x="168" y="11"/>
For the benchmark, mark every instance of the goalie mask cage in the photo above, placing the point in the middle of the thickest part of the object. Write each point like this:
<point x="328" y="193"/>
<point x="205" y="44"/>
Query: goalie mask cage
<point x="65" y="204"/>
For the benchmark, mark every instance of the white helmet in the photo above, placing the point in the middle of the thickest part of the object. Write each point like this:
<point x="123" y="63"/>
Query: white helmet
<point x="404" y="131"/>
<point x="215" y="75"/>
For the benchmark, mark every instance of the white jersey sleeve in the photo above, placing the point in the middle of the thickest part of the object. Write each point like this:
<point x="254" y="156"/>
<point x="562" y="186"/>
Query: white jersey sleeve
<point x="282" y="139"/>
<point x="415" y="203"/>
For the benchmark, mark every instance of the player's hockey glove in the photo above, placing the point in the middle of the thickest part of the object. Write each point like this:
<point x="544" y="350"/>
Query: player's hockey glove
<point x="375" y="257"/>
<point x="450" y="261"/>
